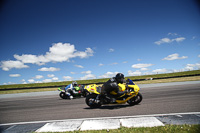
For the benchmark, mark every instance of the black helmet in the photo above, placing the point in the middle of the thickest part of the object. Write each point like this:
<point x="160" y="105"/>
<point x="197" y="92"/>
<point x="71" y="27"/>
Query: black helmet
<point x="119" y="78"/>
<point x="74" y="83"/>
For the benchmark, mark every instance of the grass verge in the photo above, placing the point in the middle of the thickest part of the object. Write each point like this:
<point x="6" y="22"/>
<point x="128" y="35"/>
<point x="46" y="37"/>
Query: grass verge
<point x="28" y="90"/>
<point x="134" y="78"/>
<point x="181" y="79"/>
<point x="161" y="129"/>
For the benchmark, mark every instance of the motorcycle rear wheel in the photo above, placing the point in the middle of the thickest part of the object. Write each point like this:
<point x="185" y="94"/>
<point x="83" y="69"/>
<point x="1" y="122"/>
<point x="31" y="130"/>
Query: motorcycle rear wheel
<point x="90" y="101"/>
<point x="63" y="95"/>
<point x="135" y="100"/>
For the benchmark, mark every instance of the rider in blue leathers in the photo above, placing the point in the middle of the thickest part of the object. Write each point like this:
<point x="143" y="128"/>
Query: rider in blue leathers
<point x="70" y="89"/>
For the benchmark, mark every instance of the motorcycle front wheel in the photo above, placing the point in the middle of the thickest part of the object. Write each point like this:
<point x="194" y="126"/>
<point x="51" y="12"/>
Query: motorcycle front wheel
<point x="90" y="101"/>
<point x="135" y="100"/>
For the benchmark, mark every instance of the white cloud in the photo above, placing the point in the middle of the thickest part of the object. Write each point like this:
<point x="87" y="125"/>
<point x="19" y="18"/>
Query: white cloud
<point x="38" y="82"/>
<point x="33" y="59"/>
<point x="108" y="75"/>
<point x="174" y="57"/>
<point x="39" y="76"/>
<point x="88" y="52"/>
<point x="88" y="76"/>
<point x="86" y="72"/>
<point x="72" y="72"/>
<point x="14" y="75"/>
<point x="67" y="78"/>
<point x="192" y="66"/>
<point x="168" y="40"/>
<point x="163" y="40"/>
<point x="47" y="80"/>
<point x="23" y="81"/>
<point x="199" y="55"/>
<point x="50" y="75"/>
<point x="179" y="39"/>
<point x="194" y="37"/>
<point x="173" y="34"/>
<point x="115" y="63"/>
<point x="141" y="65"/>
<point x="51" y="69"/>
<point x="79" y="66"/>
<point x="7" y="65"/>
<point x="136" y="73"/>
<point x="189" y="67"/>
<point x="125" y="62"/>
<point x="164" y="70"/>
<point x="101" y="64"/>
<point x="9" y="83"/>
<point x="59" y="52"/>
<point x="31" y="80"/>
<point x="55" y="78"/>
<point x="147" y="73"/>
<point x="111" y="50"/>
<point x="144" y="69"/>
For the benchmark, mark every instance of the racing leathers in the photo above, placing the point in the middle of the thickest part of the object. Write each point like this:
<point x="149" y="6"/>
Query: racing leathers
<point x="109" y="86"/>
<point x="70" y="90"/>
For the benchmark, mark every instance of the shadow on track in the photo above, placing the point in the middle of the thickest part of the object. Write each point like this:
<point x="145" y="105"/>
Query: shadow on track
<point x="112" y="107"/>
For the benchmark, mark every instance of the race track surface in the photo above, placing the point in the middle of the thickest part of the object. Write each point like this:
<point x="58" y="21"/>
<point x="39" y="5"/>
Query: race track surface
<point x="156" y="100"/>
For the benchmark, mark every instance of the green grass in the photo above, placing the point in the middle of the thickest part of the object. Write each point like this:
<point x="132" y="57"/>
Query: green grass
<point x="194" y="78"/>
<point x="28" y="90"/>
<point x="54" y="85"/>
<point x="161" y="129"/>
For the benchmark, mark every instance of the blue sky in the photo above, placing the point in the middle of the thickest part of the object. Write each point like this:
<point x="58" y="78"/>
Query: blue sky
<point x="61" y="40"/>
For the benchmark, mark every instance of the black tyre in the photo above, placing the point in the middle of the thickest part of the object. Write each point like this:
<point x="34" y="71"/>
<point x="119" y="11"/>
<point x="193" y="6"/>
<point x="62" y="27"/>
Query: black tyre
<point x="135" y="100"/>
<point x="90" y="101"/>
<point x="63" y="95"/>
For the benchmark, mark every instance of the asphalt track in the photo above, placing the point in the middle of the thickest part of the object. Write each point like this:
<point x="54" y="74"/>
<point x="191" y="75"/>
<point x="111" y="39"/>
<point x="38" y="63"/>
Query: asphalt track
<point x="157" y="99"/>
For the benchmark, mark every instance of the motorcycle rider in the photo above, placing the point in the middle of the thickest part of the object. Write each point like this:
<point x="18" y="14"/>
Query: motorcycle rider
<point x="71" y="88"/>
<point x="112" y="85"/>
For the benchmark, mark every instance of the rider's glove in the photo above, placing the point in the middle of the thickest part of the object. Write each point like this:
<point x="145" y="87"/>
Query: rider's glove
<point x="127" y="88"/>
<point x="75" y="92"/>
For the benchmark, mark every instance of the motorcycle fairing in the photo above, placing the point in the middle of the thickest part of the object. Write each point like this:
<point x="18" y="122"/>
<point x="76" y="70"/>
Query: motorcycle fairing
<point x="132" y="86"/>
<point x="124" y="101"/>
<point x="59" y="89"/>
<point x="92" y="88"/>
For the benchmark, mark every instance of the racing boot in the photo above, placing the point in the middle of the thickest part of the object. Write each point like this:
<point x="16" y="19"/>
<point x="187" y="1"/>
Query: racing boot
<point x="113" y="100"/>
<point x="71" y="97"/>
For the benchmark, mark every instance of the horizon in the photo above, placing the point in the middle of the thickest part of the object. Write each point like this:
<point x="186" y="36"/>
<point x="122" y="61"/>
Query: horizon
<point x="106" y="78"/>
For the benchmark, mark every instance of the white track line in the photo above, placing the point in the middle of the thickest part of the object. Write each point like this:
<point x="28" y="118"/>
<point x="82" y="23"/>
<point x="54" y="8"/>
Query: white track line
<point x="118" y="117"/>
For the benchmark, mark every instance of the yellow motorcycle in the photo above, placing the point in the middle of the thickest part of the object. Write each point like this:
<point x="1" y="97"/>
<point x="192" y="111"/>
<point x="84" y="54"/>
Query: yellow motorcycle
<point x="133" y="96"/>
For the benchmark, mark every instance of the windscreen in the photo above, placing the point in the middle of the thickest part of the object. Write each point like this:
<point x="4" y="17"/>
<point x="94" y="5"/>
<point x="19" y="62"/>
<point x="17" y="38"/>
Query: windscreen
<point x="130" y="82"/>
